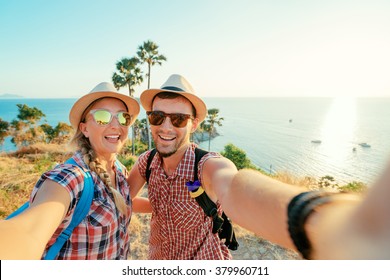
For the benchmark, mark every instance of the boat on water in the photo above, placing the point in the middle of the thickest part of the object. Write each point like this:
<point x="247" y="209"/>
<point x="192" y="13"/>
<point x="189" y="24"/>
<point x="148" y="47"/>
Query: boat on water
<point x="365" y="145"/>
<point x="316" y="141"/>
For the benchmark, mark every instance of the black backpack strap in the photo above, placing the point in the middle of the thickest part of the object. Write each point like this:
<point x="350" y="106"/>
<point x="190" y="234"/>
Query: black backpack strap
<point x="148" y="170"/>
<point x="199" y="153"/>
<point x="209" y="207"/>
<point x="222" y="225"/>
<point x="227" y="233"/>
<point x="198" y="193"/>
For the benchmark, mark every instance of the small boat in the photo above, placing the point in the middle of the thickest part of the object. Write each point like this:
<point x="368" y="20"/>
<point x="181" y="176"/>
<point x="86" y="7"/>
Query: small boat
<point x="364" y="145"/>
<point x="316" y="141"/>
<point x="354" y="149"/>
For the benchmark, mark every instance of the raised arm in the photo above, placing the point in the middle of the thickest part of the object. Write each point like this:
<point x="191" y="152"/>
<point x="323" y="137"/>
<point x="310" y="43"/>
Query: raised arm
<point x="26" y="235"/>
<point x="256" y="202"/>
<point x="347" y="226"/>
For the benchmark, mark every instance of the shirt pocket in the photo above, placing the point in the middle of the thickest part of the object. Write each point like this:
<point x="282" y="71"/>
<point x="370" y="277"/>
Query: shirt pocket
<point x="103" y="218"/>
<point x="186" y="215"/>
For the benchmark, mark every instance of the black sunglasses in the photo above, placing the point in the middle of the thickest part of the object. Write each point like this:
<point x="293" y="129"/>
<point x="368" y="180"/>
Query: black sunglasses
<point x="177" y="119"/>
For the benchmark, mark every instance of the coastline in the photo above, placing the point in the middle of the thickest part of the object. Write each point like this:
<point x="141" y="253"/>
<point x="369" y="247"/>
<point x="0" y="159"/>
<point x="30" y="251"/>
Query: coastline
<point x="260" y="126"/>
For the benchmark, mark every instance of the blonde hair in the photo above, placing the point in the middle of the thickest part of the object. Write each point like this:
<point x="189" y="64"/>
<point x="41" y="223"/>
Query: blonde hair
<point x="89" y="156"/>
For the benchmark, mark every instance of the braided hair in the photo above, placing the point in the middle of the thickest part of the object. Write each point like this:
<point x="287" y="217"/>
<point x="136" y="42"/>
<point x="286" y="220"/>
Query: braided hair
<point x="89" y="156"/>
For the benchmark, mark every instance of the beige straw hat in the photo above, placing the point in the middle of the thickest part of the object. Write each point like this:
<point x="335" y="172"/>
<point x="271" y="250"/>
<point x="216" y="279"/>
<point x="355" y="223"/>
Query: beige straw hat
<point x="177" y="84"/>
<point x="100" y="91"/>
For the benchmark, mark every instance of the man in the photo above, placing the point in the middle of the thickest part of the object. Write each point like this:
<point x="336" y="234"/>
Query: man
<point x="179" y="227"/>
<point x="319" y="224"/>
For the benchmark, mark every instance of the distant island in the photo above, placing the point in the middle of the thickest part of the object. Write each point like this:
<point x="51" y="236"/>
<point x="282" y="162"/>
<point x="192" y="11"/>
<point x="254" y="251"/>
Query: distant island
<point x="10" y="96"/>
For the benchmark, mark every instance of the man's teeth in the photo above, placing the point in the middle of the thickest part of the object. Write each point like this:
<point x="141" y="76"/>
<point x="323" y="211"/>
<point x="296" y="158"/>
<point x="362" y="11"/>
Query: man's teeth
<point x="167" y="138"/>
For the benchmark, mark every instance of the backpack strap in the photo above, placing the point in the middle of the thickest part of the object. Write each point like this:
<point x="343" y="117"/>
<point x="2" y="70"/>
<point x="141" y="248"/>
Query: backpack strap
<point x="148" y="170"/>
<point x="197" y="192"/>
<point x="199" y="153"/>
<point x="19" y="210"/>
<point x="222" y="225"/>
<point x="119" y="165"/>
<point x="81" y="211"/>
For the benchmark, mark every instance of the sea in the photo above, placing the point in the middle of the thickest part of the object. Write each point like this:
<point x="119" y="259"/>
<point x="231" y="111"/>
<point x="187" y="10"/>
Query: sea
<point x="302" y="136"/>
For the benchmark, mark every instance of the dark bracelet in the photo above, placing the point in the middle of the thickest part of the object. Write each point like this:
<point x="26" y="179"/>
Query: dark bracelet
<point x="299" y="209"/>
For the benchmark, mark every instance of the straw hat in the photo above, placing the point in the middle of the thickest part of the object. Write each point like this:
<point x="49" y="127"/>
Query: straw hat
<point x="100" y="91"/>
<point x="177" y="84"/>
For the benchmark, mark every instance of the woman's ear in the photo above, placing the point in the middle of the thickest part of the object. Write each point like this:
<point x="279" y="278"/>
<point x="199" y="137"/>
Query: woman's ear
<point x="83" y="129"/>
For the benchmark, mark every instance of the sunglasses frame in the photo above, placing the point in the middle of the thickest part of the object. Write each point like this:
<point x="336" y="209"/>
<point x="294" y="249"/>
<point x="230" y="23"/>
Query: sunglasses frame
<point x="116" y="115"/>
<point x="165" y="115"/>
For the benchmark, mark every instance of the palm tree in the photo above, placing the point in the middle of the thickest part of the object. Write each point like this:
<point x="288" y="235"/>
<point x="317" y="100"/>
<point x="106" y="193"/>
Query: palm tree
<point x="139" y="129"/>
<point x="212" y="120"/>
<point x="148" y="53"/>
<point x="130" y="75"/>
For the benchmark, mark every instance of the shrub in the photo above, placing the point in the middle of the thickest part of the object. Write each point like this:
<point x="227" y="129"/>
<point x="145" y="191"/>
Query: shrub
<point x="354" y="186"/>
<point x="327" y="182"/>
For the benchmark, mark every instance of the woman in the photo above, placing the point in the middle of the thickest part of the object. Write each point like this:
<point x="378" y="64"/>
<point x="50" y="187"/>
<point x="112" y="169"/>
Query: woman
<point x="101" y="119"/>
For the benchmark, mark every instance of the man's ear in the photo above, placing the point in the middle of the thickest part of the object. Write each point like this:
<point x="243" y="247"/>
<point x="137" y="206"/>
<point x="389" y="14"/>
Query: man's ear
<point x="195" y="123"/>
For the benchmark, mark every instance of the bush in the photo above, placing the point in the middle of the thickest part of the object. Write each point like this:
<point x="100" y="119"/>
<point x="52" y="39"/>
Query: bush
<point x="354" y="186"/>
<point x="238" y="157"/>
<point x="327" y="182"/>
<point x="127" y="160"/>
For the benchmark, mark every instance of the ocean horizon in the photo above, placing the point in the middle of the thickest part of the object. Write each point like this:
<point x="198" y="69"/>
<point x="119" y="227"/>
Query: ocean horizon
<point x="303" y="136"/>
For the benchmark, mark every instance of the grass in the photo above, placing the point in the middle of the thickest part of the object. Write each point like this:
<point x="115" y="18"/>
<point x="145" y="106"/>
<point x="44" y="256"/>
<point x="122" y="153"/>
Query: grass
<point x="19" y="171"/>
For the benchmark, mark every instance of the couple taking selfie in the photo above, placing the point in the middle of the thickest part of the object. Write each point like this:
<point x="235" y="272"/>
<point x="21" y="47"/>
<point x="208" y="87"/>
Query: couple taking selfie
<point x="317" y="224"/>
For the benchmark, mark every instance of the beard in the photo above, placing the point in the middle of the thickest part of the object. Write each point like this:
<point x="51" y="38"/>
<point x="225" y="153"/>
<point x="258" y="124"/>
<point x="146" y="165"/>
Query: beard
<point x="167" y="153"/>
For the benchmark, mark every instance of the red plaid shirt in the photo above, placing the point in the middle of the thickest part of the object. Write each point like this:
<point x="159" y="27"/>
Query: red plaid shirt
<point x="103" y="232"/>
<point x="179" y="228"/>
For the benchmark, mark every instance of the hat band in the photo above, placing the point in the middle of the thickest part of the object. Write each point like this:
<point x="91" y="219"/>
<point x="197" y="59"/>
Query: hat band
<point x="173" y="88"/>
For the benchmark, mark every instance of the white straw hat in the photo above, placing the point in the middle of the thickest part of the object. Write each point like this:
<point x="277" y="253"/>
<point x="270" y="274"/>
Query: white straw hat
<point x="177" y="84"/>
<point x="102" y="90"/>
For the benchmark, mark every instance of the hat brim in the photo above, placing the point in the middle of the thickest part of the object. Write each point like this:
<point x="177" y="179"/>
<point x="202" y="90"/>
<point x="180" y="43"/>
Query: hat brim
<point x="147" y="96"/>
<point x="82" y="104"/>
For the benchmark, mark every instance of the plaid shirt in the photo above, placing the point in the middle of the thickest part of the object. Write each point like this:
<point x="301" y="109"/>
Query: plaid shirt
<point x="103" y="232"/>
<point x="179" y="228"/>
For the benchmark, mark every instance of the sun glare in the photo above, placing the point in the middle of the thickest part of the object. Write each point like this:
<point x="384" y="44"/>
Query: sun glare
<point x="338" y="129"/>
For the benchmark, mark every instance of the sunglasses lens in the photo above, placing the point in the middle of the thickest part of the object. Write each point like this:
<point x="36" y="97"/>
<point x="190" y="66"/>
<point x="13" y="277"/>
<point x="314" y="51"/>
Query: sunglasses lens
<point x="124" y="118"/>
<point x="179" y="120"/>
<point x="102" y="117"/>
<point x="156" y="118"/>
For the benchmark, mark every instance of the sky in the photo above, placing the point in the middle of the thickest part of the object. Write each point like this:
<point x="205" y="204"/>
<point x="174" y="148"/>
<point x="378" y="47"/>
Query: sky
<point x="57" y="49"/>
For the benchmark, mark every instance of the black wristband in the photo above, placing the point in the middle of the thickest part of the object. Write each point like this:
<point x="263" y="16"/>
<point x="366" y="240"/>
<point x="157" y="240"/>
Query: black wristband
<point x="299" y="209"/>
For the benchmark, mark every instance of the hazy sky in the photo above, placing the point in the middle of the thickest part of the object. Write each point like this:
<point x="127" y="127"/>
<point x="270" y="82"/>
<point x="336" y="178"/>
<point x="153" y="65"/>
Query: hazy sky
<point x="224" y="48"/>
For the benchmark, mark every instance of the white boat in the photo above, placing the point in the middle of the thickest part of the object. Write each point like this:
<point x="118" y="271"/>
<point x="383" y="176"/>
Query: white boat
<point x="365" y="145"/>
<point x="316" y="141"/>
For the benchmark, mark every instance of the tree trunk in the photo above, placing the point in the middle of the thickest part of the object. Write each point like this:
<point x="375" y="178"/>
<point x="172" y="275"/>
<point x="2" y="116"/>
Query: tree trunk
<point x="132" y="127"/>
<point x="209" y="139"/>
<point x="147" y="120"/>
<point x="132" y="141"/>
